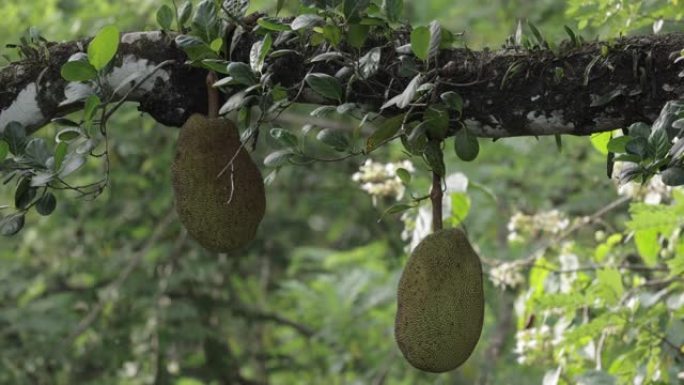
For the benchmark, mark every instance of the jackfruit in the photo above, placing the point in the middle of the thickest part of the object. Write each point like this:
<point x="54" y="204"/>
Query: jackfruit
<point x="221" y="212"/>
<point x="440" y="303"/>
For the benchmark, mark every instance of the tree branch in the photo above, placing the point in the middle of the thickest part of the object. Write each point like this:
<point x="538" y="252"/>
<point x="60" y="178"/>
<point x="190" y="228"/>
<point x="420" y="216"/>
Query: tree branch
<point x="597" y="87"/>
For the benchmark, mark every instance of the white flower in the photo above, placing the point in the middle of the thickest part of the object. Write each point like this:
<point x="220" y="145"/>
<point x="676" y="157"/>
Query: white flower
<point x="506" y="274"/>
<point x="380" y="180"/>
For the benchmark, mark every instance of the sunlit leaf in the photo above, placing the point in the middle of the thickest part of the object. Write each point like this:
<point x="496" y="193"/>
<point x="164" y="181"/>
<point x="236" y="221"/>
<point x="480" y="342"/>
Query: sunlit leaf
<point x="103" y="47"/>
<point x="165" y="17"/>
<point x="420" y="42"/>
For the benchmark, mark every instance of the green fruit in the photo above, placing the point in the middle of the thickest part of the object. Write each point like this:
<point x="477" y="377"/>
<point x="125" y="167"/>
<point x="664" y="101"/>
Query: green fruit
<point x="221" y="212"/>
<point x="440" y="303"/>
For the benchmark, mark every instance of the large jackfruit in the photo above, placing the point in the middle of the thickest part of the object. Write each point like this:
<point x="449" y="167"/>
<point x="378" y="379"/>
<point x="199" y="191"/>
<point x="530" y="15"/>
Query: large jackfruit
<point x="440" y="302"/>
<point x="221" y="212"/>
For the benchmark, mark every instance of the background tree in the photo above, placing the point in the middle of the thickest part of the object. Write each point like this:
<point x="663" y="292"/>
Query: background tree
<point x="581" y="290"/>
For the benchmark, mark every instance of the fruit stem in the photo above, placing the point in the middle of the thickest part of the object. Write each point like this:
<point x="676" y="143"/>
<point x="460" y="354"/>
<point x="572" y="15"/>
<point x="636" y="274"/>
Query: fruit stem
<point x="436" y="198"/>
<point x="212" y="96"/>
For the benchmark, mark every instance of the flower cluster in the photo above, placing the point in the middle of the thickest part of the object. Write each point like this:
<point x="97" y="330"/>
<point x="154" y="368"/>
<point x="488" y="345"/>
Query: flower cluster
<point x="380" y="180"/>
<point x="521" y="225"/>
<point x="654" y="192"/>
<point x="506" y="275"/>
<point x="532" y="340"/>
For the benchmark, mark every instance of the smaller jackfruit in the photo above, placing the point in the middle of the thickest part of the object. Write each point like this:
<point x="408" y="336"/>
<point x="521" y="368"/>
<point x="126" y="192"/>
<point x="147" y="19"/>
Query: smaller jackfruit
<point x="222" y="212"/>
<point x="440" y="303"/>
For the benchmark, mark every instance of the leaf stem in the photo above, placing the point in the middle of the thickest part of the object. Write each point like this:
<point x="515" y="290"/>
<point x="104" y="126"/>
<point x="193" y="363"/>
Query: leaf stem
<point x="436" y="197"/>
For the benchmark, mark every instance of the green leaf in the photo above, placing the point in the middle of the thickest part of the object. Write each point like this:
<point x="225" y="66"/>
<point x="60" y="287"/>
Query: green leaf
<point x="235" y="101"/>
<point x="4" y="150"/>
<point x="396" y="209"/>
<point x="559" y="142"/>
<point x="572" y="36"/>
<point x="236" y="9"/>
<point x="336" y="139"/>
<point x="466" y="145"/>
<point x="332" y="34"/>
<point x="15" y="136"/>
<point x="659" y="142"/>
<point x="42" y="178"/>
<point x="216" y="45"/>
<point x="37" y="150"/>
<point x="404" y="175"/>
<point x="673" y="176"/>
<point x="611" y="281"/>
<point x="165" y="17"/>
<point x="242" y="73"/>
<point x="285" y="137"/>
<point x="639" y="129"/>
<point x="78" y="71"/>
<point x="453" y="101"/>
<point x="46" y="204"/>
<point x="435" y="38"/>
<point x="70" y="164"/>
<point x="602" y="100"/>
<point x="617" y="145"/>
<point x="273" y="24"/>
<point x="537" y="34"/>
<point x="60" y="153"/>
<point x="437" y="120"/>
<point x="460" y="207"/>
<point x="279" y="6"/>
<point x="418" y="136"/>
<point x="647" y="245"/>
<point x="420" y="42"/>
<point x="205" y="20"/>
<point x="103" y="47"/>
<point x="184" y="14"/>
<point x="393" y="9"/>
<point x="278" y="158"/>
<point x="435" y="157"/>
<point x="406" y="97"/>
<point x="307" y="21"/>
<point x="385" y="131"/>
<point x="194" y="47"/>
<point x="11" y="224"/>
<point x="354" y="8"/>
<point x="67" y="134"/>
<point x="600" y="141"/>
<point x="259" y="51"/>
<point x="637" y="146"/>
<point x="357" y="35"/>
<point x="216" y="65"/>
<point x="370" y="63"/>
<point x="24" y="194"/>
<point x="91" y="105"/>
<point x="325" y="85"/>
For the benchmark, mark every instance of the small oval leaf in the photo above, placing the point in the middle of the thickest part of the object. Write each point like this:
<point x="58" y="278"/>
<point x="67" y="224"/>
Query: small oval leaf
<point x="46" y="204"/>
<point x="11" y="224"/>
<point x="466" y="145"/>
<point x="325" y="85"/>
<point x="103" y="47"/>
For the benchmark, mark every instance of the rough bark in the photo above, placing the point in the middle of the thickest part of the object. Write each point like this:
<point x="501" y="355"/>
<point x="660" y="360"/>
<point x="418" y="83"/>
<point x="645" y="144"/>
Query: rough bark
<point x="571" y="90"/>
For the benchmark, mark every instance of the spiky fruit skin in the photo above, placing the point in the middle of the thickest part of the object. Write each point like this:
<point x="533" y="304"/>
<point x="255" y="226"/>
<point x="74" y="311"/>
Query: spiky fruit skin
<point x="440" y="303"/>
<point x="222" y="213"/>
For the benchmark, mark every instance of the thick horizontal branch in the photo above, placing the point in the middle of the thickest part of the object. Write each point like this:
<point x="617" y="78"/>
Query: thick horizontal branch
<point x="597" y="87"/>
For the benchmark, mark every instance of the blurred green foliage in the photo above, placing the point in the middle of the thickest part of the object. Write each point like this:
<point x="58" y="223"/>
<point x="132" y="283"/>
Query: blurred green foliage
<point x="112" y="291"/>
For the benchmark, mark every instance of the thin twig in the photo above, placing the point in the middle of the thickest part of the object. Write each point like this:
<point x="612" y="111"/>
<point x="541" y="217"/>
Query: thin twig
<point x="116" y="285"/>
